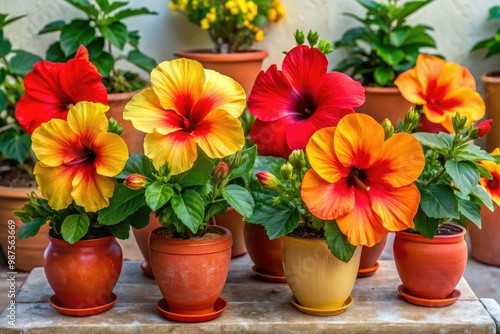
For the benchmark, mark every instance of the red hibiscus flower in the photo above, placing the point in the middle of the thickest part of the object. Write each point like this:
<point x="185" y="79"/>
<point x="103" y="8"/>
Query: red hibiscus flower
<point x="292" y="103"/>
<point x="53" y="88"/>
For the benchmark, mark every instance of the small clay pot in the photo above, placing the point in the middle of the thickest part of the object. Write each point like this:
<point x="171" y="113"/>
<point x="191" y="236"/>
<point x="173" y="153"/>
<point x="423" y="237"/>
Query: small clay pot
<point x="233" y="221"/>
<point x="265" y="253"/>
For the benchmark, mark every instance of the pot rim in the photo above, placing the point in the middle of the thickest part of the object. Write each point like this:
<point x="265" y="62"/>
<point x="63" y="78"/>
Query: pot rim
<point x="491" y="77"/>
<point x="209" y="55"/>
<point x="18" y="192"/>
<point x="82" y="243"/>
<point x="438" y="239"/>
<point x="382" y="90"/>
<point x="112" y="97"/>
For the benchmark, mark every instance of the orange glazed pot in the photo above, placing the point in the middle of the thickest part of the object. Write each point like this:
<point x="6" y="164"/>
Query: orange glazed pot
<point x="430" y="268"/>
<point x="83" y="274"/>
<point x="233" y="221"/>
<point x="142" y="238"/>
<point x="265" y="253"/>
<point x="385" y="102"/>
<point x="191" y="273"/>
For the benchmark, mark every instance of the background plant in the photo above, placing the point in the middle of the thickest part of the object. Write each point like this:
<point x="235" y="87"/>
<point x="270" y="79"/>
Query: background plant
<point x="233" y="25"/>
<point x="15" y="143"/>
<point x="491" y="44"/>
<point x="101" y="31"/>
<point x="385" y="45"/>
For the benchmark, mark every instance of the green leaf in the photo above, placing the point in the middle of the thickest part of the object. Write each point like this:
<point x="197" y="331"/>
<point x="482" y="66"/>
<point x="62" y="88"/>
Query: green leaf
<point x="3" y="103"/>
<point x="85" y="6"/>
<point x="464" y="174"/>
<point x="104" y="63"/>
<point x="424" y="224"/>
<point x="129" y="12"/>
<point x="189" y="208"/>
<point x="398" y="36"/>
<point x="470" y="210"/>
<point x="158" y="194"/>
<point x="351" y="35"/>
<point x="198" y="174"/>
<point x="141" y="60"/>
<point x="116" y="33"/>
<point x="471" y="151"/>
<point x="248" y="157"/>
<point x="74" y="34"/>
<point x="74" y="227"/>
<point x="168" y="218"/>
<point x="494" y="13"/>
<point x="52" y="26"/>
<point x="442" y="142"/>
<point x="120" y="230"/>
<point x="239" y="199"/>
<point x="133" y="38"/>
<point x="31" y="228"/>
<point x="278" y="219"/>
<point x="483" y="171"/>
<point x="482" y="195"/>
<point x="439" y="201"/>
<point x="383" y="75"/>
<point x="117" y="4"/>
<point x="140" y="218"/>
<point x="4" y="22"/>
<point x="409" y="8"/>
<point x="15" y="146"/>
<point x="124" y="202"/>
<point x="5" y="47"/>
<point x="369" y="4"/>
<point x="137" y="163"/>
<point x="55" y="53"/>
<point x="390" y="55"/>
<point x="337" y="242"/>
<point x="104" y="5"/>
<point x="23" y="62"/>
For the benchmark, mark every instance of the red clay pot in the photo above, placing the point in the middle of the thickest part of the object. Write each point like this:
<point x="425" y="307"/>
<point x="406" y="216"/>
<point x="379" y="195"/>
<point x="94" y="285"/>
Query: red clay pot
<point x="83" y="274"/>
<point x="233" y="221"/>
<point x="385" y="102"/>
<point x="142" y="238"/>
<point x="485" y="246"/>
<point x="369" y="257"/>
<point x="191" y="273"/>
<point x="430" y="268"/>
<point x="265" y="253"/>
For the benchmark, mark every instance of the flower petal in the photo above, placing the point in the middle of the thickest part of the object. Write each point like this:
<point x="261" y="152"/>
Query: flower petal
<point x="326" y="200"/>
<point x="362" y="226"/>
<point x="304" y="66"/>
<point x="410" y="87"/>
<point x="80" y="81"/>
<point x="177" y="148"/>
<point x="428" y="69"/>
<point x="400" y="163"/>
<point x="270" y="137"/>
<point x="55" y="184"/>
<point x="322" y="156"/>
<point x="90" y="190"/>
<point x="147" y="114"/>
<point x="30" y="120"/>
<point x="111" y="154"/>
<point x="358" y="140"/>
<point x="395" y="207"/>
<point x="219" y="134"/>
<point x="88" y="119"/>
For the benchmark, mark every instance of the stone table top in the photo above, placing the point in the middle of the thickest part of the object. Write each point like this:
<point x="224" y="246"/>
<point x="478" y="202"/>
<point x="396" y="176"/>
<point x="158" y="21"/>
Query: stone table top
<point x="254" y="306"/>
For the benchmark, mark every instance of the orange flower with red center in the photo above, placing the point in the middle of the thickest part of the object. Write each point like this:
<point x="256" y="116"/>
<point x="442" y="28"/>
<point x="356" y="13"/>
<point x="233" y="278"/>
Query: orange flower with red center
<point x="78" y="158"/>
<point x="185" y="107"/>
<point x="362" y="181"/>
<point x="492" y="186"/>
<point x="443" y="89"/>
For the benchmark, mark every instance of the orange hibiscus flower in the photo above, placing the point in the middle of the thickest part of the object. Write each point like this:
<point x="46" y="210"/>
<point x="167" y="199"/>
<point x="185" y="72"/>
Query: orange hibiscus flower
<point x="492" y="186"/>
<point x="362" y="181"/>
<point x="78" y="158"/>
<point x="442" y="89"/>
<point x="185" y="107"/>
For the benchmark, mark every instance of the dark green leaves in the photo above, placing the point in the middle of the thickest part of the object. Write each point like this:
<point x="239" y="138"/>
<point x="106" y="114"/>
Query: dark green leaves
<point x="31" y="228"/>
<point x="23" y="62"/>
<point x="14" y="145"/>
<point x="337" y="242"/>
<point x="239" y="199"/>
<point x="189" y="208"/>
<point x="158" y="194"/>
<point x="278" y="219"/>
<point x="439" y="201"/>
<point x="124" y="202"/>
<point x="74" y="227"/>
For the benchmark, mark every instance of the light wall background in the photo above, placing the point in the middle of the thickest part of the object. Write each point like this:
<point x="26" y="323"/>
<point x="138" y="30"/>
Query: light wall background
<point x="457" y="24"/>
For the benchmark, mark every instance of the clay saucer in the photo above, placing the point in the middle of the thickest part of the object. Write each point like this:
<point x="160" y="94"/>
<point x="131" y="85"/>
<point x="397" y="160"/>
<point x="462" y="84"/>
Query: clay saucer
<point x="367" y="272"/>
<point x="219" y="306"/>
<point x="429" y="302"/>
<point x="269" y="278"/>
<point x="325" y="312"/>
<point x="82" y="312"/>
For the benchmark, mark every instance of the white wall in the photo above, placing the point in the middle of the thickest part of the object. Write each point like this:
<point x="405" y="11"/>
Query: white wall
<point x="458" y="24"/>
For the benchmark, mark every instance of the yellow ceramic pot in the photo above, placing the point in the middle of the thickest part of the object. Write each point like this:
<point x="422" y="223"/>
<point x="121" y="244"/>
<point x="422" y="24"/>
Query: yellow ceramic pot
<point x="318" y="279"/>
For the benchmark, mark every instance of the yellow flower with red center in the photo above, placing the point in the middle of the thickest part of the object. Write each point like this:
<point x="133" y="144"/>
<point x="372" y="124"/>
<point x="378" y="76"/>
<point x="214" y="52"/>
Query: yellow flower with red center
<point x="362" y="181"/>
<point x="78" y="158"/>
<point x="443" y="89"/>
<point x="492" y="186"/>
<point x="185" y="107"/>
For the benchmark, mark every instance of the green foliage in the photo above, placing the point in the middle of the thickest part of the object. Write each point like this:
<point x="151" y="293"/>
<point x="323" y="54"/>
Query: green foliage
<point x="385" y="45"/>
<point x="100" y="32"/>
<point x="491" y="44"/>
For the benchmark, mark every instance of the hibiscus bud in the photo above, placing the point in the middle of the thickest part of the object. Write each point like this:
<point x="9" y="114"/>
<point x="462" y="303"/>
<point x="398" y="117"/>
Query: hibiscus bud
<point x="412" y="118"/>
<point x="220" y="171"/>
<point x="114" y="126"/>
<point x="268" y="180"/>
<point x="299" y="37"/>
<point x="325" y="46"/>
<point x="286" y="171"/>
<point x="458" y="123"/>
<point x="484" y="127"/>
<point x="234" y="161"/>
<point x="312" y="38"/>
<point x="388" y="128"/>
<point x="298" y="160"/>
<point x="135" y="181"/>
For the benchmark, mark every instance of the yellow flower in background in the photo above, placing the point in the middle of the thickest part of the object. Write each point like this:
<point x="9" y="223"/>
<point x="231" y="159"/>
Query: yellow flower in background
<point x="188" y="107"/>
<point x="205" y="24"/>
<point x="272" y="15"/>
<point x="78" y="158"/>
<point x="259" y="35"/>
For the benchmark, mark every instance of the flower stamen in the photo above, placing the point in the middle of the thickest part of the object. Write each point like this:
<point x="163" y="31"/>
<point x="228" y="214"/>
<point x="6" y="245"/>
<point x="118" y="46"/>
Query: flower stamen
<point x="354" y="177"/>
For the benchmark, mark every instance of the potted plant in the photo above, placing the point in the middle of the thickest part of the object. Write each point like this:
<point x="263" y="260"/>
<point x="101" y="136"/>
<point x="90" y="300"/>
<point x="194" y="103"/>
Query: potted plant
<point x="483" y="241"/>
<point x="344" y="194"/>
<point x="431" y="258"/>
<point x="384" y="46"/>
<point x="233" y="27"/>
<point x="192" y="150"/>
<point x="102" y="32"/>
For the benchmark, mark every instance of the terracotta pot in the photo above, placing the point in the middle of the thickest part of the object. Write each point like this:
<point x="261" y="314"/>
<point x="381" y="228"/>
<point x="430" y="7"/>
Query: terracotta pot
<point x="385" y="102"/>
<point x="142" y="239"/>
<point x="233" y="221"/>
<point x="28" y="252"/>
<point x="265" y="253"/>
<point x="191" y="273"/>
<point x="491" y="82"/>
<point x="430" y="268"/>
<point x="317" y="279"/>
<point x="134" y="138"/>
<point x="484" y="242"/>
<point x="83" y="274"/>
<point x="241" y="66"/>
<point x="368" y="263"/>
